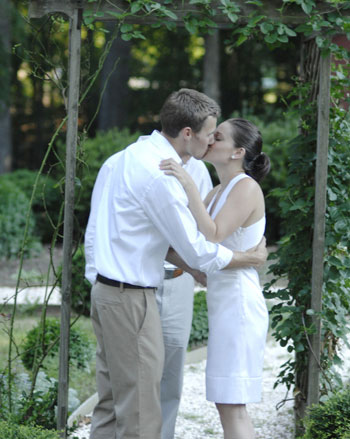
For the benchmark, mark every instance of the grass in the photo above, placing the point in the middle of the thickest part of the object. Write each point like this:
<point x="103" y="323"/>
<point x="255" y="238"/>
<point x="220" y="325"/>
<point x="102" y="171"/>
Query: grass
<point x="83" y="381"/>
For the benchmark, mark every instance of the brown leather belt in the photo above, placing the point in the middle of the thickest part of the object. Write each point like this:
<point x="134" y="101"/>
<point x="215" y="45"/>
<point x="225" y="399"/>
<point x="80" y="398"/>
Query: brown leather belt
<point x="116" y="283"/>
<point x="172" y="273"/>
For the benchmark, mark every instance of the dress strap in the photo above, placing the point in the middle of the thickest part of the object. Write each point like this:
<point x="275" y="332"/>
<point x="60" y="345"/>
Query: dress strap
<point x="225" y="193"/>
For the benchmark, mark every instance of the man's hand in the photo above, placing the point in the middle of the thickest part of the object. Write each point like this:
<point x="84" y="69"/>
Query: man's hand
<point x="260" y="253"/>
<point x="254" y="257"/>
<point x="200" y="277"/>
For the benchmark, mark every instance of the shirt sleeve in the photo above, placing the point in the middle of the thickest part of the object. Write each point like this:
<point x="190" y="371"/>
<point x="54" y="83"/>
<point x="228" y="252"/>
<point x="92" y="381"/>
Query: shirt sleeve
<point x="166" y="204"/>
<point x="101" y="182"/>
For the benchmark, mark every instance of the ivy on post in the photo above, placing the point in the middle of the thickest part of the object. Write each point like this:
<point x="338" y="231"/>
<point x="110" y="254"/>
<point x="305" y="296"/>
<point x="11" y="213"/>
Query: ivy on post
<point x="319" y="227"/>
<point x="72" y="132"/>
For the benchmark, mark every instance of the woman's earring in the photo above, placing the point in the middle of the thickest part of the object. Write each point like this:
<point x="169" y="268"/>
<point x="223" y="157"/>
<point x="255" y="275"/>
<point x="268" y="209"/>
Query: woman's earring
<point x="233" y="157"/>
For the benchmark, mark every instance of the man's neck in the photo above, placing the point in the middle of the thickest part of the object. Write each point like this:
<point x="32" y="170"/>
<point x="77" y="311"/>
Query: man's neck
<point x="176" y="143"/>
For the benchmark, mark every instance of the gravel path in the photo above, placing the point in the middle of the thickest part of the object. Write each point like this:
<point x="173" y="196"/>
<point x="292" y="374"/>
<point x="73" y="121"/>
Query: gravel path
<point x="198" y="418"/>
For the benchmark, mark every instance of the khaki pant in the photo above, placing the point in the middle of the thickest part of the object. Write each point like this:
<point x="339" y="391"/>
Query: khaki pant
<point x="129" y="363"/>
<point x="175" y="304"/>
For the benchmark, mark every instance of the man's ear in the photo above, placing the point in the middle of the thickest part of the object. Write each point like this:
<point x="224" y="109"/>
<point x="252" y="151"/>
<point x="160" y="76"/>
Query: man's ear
<point x="187" y="133"/>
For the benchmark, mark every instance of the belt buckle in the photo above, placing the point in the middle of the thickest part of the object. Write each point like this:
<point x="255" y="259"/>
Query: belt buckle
<point x="177" y="272"/>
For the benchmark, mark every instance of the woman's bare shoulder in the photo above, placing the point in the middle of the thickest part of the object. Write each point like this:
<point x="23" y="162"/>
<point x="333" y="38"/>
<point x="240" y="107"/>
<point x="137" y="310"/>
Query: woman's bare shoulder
<point x="248" y="186"/>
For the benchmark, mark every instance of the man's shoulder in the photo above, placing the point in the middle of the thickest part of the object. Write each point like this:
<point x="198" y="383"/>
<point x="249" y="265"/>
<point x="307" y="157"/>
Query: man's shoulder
<point x="196" y="165"/>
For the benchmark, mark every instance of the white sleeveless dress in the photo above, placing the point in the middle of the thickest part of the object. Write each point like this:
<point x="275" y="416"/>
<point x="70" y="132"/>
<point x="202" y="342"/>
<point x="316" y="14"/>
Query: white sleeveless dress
<point x="238" y="321"/>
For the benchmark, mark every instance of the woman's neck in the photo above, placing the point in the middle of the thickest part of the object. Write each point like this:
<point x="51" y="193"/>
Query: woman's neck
<point x="227" y="172"/>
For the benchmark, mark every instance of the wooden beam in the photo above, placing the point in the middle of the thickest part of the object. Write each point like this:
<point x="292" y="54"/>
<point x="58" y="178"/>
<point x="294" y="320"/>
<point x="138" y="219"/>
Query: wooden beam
<point x="72" y="134"/>
<point x="292" y="14"/>
<point x="319" y="227"/>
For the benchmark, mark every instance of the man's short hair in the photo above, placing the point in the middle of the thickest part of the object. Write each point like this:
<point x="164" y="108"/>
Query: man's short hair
<point x="186" y="108"/>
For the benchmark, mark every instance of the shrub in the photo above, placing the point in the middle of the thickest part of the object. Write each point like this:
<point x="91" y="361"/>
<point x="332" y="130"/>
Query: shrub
<point x="81" y="287"/>
<point x="276" y="134"/>
<point x="46" y="201"/>
<point x="331" y="419"/>
<point x="38" y="407"/>
<point x="199" y="331"/>
<point x="39" y="339"/>
<point x="92" y="153"/>
<point x="13" y="212"/>
<point x="11" y="430"/>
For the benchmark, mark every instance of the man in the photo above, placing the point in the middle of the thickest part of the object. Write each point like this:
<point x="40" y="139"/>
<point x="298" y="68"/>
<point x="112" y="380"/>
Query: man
<point x="175" y="303"/>
<point x="137" y="212"/>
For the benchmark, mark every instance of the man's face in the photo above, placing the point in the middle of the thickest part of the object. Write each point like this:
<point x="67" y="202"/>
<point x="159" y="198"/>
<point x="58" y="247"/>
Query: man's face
<point x="198" y="145"/>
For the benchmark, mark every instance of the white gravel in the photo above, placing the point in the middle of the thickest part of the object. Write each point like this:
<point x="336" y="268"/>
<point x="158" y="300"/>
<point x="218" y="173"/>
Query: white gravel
<point x="198" y="418"/>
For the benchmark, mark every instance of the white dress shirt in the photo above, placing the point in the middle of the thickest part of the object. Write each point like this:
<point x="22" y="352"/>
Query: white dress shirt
<point x="137" y="212"/>
<point x="200" y="175"/>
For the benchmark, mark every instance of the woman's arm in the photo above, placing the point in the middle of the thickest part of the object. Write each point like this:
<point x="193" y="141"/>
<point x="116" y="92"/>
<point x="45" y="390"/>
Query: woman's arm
<point x="245" y="195"/>
<point x="205" y="224"/>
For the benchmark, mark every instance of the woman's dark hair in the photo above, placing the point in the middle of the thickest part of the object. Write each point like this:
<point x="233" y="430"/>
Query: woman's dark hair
<point x="246" y="135"/>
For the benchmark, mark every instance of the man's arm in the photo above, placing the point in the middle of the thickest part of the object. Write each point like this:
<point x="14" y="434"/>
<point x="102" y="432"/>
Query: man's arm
<point x="175" y="259"/>
<point x="254" y="257"/>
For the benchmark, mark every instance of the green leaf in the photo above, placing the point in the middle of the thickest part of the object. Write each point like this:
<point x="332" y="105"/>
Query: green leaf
<point x="290" y="32"/>
<point x="266" y="27"/>
<point x="135" y="7"/>
<point x="115" y="14"/>
<point x="169" y="14"/>
<point x="307" y="7"/>
<point x="242" y="38"/>
<point x="299" y="347"/>
<point x="255" y="2"/>
<point x="255" y="20"/>
<point x="232" y="16"/>
<point x="271" y="38"/>
<point x="126" y="37"/>
<point x="283" y="38"/>
<point x="126" y="27"/>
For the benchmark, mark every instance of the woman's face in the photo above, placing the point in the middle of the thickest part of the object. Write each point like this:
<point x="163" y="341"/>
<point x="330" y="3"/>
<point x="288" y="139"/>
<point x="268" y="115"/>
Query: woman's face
<point x="222" y="148"/>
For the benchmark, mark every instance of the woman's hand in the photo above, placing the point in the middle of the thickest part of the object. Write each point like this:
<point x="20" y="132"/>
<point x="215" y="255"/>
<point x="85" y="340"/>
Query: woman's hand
<point x="205" y="224"/>
<point x="170" y="167"/>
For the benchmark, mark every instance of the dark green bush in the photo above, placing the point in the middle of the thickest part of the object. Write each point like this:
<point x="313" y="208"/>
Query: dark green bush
<point x="276" y="134"/>
<point x="33" y="407"/>
<point x="13" y="211"/>
<point x="199" y="331"/>
<point x="11" y="430"/>
<point x="81" y="288"/>
<point x="92" y="154"/>
<point x="331" y="419"/>
<point x="39" y="339"/>
<point x="46" y="202"/>
<point x="40" y="409"/>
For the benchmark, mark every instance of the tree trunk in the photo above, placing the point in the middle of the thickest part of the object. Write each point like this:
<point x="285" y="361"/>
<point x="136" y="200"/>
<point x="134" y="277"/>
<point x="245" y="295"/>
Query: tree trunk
<point x="114" y="108"/>
<point x="211" y="79"/>
<point x="5" y="118"/>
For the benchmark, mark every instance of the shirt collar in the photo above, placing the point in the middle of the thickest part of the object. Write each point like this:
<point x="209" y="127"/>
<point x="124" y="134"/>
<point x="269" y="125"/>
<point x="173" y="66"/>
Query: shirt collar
<point x="158" y="139"/>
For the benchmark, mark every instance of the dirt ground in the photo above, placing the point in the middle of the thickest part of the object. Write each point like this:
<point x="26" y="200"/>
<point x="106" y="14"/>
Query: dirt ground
<point x="35" y="269"/>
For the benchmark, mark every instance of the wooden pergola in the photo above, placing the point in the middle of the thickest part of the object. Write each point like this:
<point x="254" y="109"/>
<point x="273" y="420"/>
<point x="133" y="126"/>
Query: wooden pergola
<point x="74" y="9"/>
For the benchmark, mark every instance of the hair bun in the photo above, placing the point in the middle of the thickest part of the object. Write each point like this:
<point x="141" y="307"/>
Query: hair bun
<point x="260" y="166"/>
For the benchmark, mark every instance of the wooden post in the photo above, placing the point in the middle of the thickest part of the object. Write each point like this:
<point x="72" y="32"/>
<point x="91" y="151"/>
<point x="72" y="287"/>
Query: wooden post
<point x="319" y="227"/>
<point x="211" y="73"/>
<point x="72" y="130"/>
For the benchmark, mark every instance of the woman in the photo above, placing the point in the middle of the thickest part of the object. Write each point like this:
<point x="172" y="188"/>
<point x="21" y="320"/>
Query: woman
<point x="234" y="214"/>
